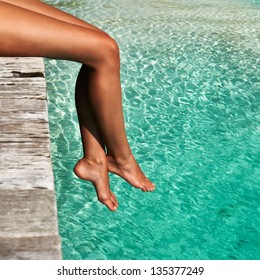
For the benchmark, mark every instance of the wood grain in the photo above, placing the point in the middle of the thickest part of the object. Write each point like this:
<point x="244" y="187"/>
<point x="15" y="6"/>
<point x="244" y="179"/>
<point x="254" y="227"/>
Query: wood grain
<point x="28" y="214"/>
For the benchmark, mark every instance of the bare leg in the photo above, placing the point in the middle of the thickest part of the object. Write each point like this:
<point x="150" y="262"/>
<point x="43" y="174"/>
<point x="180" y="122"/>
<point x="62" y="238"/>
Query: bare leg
<point x="93" y="166"/>
<point x="120" y="162"/>
<point x="45" y="9"/>
<point x="92" y="47"/>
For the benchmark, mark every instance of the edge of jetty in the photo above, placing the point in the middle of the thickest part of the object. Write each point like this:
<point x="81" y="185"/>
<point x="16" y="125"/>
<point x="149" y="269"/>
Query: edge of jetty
<point x="28" y="212"/>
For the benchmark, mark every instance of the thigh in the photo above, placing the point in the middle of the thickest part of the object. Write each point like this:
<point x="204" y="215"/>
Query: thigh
<point x="45" y="9"/>
<point x="27" y="33"/>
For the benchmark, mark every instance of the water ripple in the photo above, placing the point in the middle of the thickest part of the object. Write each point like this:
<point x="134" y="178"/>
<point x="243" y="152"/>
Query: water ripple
<point x="190" y="79"/>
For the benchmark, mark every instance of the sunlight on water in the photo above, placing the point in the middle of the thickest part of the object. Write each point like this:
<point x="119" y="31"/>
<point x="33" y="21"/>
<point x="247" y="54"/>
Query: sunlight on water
<point x="190" y="79"/>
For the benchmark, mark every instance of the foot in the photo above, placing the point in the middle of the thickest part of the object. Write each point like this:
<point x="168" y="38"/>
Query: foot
<point x="97" y="173"/>
<point x="131" y="172"/>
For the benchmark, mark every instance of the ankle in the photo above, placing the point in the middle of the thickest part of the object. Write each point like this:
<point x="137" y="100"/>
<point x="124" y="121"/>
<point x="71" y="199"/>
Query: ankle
<point x="120" y="159"/>
<point x="97" y="160"/>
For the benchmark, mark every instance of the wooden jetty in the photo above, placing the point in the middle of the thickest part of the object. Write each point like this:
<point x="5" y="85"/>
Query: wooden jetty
<point x="28" y="214"/>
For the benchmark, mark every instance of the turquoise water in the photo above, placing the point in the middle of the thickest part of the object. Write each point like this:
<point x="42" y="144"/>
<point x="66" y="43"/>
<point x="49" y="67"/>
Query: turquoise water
<point x="190" y="79"/>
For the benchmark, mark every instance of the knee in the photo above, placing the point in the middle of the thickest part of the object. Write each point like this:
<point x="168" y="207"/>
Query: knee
<point x="110" y="53"/>
<point x="111" y="46"/>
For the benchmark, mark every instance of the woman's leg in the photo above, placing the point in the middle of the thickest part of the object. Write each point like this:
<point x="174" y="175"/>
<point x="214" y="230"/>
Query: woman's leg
<point x="57" y="39"/>
<point x="93" y="166"/>
<point x="22" y="28"/>
<point x="127" y="169"/>
<point x="45" y="9"/>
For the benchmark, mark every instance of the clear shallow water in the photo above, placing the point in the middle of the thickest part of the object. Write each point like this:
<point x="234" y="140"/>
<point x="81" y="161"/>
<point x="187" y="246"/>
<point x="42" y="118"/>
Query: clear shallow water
<point x="190" y="77"/>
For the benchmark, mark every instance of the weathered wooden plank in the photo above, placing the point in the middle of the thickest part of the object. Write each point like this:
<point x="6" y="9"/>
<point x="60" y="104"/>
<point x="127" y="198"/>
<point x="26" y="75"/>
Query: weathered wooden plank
<point x="10" y="91"/>
<point x="25" y="148"/>
<point x="23" y="119"/>
<point x="36" y="217"/>
<point x="30" y="248"/>
<point x="22" y="89"/>
<point x="13" y="86"/>
<point x="20" y="105"/>
<point x="27" y="111"/>
<point x="22" y="64"/>
<point x="27" y="172"/>
<point x="20" y="130"/>
<point x="28" y="214"/>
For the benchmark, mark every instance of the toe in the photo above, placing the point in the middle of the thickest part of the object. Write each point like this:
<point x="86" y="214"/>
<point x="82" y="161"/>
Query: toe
<point x="114" y="200"/>
<point x="149" y="185"/>
<point x="111" y="205"/>
<point x="109" y="200"/>
<point x="144" y="187"/>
